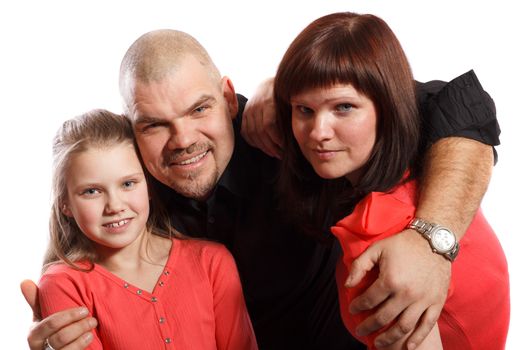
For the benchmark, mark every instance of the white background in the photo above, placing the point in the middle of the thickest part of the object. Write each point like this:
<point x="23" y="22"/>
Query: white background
<point x="59" y="59"/>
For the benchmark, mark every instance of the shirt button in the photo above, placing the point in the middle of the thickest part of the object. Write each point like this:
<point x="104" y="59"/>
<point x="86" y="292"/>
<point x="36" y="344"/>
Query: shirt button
<point x="126" y="285"/>
<point x="161" y="283"/>
<point x="211" y="219"/>
<point x="167" y="340"/>
<point x="162" y="320"/>
<point x="139" y="292"/>
<point x="166" y="272"/>
<point x="154" y="299"/>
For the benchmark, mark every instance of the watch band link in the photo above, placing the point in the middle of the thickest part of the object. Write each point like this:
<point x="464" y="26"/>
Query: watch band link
<point x="425" y="228"/>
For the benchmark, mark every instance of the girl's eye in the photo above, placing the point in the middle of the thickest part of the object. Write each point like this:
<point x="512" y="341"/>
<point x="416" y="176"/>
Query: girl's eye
<point x="128" y="184"/>
<point x="90" y="192"/>
<point x="344" y="107"/>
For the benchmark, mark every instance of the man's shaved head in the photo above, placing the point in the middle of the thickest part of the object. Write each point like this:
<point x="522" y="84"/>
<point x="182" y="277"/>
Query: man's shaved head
<point x="181" y="110"/>
<point x="157" y="54"/>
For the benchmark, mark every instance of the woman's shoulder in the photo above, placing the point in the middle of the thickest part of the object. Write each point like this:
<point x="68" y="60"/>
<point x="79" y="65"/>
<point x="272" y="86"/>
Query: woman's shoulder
<point x="405" y="191"/>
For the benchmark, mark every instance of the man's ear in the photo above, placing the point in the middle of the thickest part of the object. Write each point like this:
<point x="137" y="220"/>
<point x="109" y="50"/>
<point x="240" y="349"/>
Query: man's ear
<point x="64" y="208"/>
<point x="229" y="94"/>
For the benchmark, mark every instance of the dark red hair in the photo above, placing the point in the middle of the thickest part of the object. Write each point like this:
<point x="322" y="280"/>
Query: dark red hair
<point x="361" y="50"/>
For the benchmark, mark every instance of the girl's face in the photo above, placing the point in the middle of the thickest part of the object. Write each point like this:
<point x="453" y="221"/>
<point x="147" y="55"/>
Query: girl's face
<point x="107" y="195"/>
<point x="335" y="128"/>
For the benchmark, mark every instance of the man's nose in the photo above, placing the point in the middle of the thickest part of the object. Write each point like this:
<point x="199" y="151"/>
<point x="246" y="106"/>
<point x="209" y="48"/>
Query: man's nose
<point x="181" y="135"/>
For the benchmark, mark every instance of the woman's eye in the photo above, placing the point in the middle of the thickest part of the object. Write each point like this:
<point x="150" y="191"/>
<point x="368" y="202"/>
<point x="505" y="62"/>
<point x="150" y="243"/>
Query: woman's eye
<point x="344" y="107"/>
<point x="305" y="110"/>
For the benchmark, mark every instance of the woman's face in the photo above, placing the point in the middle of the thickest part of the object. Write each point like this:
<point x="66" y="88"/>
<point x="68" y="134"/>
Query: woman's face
<point x="335" y="128"/>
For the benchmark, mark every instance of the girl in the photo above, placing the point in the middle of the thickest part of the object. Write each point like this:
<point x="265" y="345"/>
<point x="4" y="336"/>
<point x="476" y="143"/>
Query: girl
<point x="147" y="287"/>
<point x="346" y="107"/>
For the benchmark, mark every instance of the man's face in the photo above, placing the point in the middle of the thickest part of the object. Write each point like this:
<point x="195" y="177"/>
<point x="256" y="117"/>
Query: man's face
<point x="183" y="128"/>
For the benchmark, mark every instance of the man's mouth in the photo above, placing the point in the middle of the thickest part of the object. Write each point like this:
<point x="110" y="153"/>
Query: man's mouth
<point x="192" y="159"/>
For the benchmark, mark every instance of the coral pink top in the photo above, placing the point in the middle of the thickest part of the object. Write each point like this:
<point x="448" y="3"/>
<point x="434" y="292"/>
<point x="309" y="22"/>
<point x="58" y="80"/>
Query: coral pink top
<point x="196" y="304"/>
<point x="477" y="310"/>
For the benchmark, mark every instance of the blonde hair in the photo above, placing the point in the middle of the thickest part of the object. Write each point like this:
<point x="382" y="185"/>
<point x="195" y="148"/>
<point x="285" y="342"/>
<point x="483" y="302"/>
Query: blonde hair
<point x="96" y="128"/>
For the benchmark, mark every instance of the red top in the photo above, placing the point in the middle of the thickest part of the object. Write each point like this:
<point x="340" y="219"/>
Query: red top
<point x="196" y="304"/>
<point x="477" y="310"/>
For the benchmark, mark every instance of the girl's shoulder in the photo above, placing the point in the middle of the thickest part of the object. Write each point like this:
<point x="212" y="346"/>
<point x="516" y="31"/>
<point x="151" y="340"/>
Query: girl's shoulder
<point x="62" y="276"/>
<point x="200" y="246"/>
<point x="61" y="268"/>
<point x="201" y="251"/>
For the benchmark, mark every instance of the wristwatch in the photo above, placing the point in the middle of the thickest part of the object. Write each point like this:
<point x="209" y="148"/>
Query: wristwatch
<point x="442" y="240"/>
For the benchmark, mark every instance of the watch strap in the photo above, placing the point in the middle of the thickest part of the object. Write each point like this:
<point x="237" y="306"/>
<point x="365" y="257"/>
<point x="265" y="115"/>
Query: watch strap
<point x="425" y="228"/>
<point x="422" y="226"/>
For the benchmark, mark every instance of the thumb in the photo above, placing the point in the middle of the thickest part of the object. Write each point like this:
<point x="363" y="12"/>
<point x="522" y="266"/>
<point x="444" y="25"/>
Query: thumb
<point x="30" y="292"/>
<point x="363" y="264"/>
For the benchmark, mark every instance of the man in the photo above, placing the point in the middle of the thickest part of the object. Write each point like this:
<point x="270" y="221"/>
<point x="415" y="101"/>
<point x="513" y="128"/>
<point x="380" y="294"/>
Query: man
<point x="187" y="124"/>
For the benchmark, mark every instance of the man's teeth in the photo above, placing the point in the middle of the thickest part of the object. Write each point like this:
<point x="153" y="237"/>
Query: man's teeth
<point x="117" y="224"/>
<point x="193" y="160"/>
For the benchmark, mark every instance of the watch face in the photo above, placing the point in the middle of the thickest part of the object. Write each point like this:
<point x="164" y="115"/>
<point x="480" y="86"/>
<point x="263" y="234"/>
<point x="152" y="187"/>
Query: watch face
<point x="443" y="240"/>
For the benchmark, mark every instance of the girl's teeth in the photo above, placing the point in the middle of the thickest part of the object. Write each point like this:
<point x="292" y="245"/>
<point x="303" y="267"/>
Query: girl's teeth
<point x="117" y="224"/>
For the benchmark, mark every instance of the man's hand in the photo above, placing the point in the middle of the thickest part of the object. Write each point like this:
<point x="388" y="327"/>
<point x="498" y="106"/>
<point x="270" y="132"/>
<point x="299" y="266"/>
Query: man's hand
<point x="413" y="282"/>
<point x="259" y="127"/>
<point x="67" y="330"/>
<point x="411" y="288"/>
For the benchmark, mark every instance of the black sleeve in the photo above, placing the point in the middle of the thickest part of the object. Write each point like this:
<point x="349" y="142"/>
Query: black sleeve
<point x="237" y="121"/>
<point x="458" y="108"/>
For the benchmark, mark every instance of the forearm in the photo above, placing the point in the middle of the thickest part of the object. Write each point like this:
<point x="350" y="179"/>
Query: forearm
<point x="455" y="177"/>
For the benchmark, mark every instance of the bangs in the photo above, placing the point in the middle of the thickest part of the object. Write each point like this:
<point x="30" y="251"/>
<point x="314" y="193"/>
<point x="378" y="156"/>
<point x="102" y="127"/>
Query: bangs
<point x="336" y="56"/>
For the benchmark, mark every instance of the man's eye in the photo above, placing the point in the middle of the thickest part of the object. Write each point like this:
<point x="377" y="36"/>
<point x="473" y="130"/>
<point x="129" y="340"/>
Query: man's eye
<point x="150" y="126"/>
<point x="200" y="109"/>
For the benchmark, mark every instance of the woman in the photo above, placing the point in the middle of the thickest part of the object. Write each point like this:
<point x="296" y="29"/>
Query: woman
<point x="346" y="107"/>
